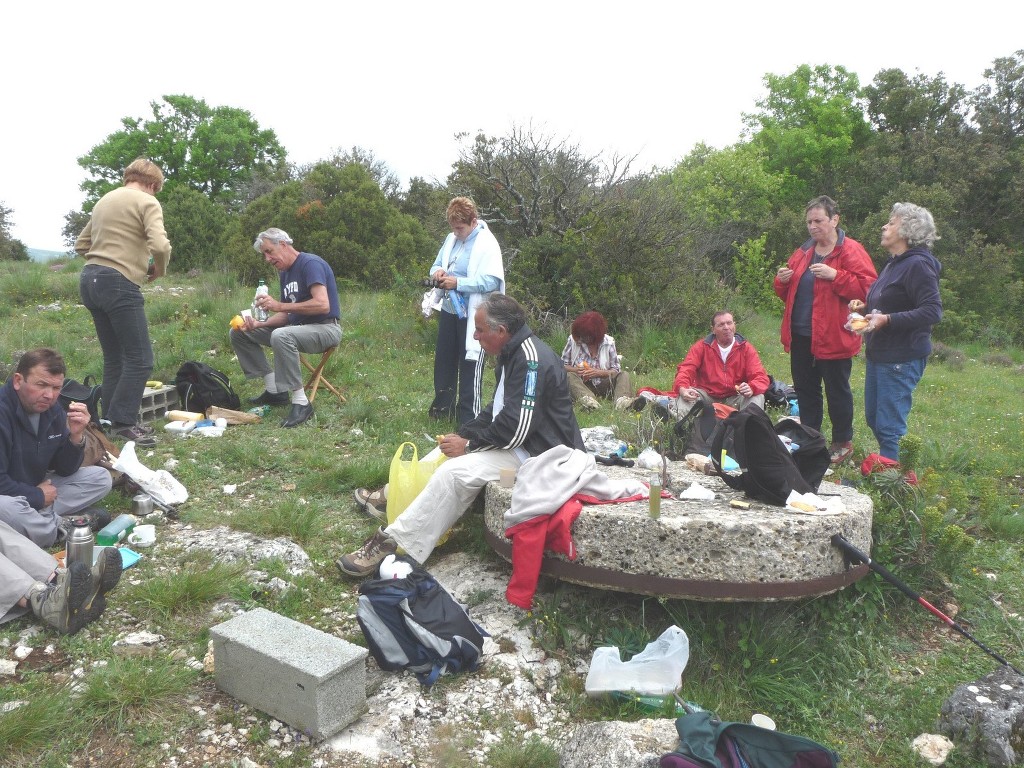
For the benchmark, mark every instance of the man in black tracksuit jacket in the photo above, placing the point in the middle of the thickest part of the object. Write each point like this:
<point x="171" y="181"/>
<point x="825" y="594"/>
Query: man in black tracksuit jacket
<point x="530" y="413"/>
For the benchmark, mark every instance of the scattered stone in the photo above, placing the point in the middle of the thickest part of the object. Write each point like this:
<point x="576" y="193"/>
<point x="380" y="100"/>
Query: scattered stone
<point x="986" y="718"/>
<point x="8" y="668"/>
<point x="623" y="745"/>
<point x="138" y="644"/>
<point x="932" y="747"/>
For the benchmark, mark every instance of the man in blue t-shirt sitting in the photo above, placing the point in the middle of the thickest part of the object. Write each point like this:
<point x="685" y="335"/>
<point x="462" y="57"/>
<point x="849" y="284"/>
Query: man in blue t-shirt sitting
<point x="305" y="319"/>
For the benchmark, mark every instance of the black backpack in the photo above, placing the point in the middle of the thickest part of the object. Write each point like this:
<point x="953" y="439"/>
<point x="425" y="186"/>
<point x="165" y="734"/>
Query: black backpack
<point x="200" y="386"/>
<point x="414" y="623"/>
<point x="812" y="457"/>
<point x="778" y="394"/>
<point x="767" y="470"/>
<point x="87" y="392"/>
<point x="698" y="426"/>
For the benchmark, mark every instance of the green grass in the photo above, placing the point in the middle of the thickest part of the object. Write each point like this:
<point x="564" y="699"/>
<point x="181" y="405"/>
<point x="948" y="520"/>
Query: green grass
<point x="864" y="670"/>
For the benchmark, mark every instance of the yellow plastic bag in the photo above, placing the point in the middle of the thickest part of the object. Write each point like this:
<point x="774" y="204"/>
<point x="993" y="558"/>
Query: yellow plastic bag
<point x="409" y="476"/>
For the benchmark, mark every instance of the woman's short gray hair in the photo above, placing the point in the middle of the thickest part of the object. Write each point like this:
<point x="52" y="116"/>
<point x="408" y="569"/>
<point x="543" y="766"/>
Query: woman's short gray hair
<point x="917" y="226"/>
<point x="274" y="235"/>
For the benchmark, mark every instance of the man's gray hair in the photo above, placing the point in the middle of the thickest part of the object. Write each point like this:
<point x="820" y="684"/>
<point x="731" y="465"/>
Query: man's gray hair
<point x="274" y="235"/>
<point x="917" y="226"/>
<point x="505" y="311"/>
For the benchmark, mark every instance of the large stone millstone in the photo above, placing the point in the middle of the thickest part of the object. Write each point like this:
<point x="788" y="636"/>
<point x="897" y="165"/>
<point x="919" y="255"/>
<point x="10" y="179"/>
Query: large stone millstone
<point x="703" y="550"/>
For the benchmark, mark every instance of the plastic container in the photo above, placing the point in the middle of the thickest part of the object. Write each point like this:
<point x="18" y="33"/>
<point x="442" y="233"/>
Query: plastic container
<point x="258" y="312"/>
<point x="184" y="416"/>
<point x="458" y="304"/>
<point x="116" y="530"/>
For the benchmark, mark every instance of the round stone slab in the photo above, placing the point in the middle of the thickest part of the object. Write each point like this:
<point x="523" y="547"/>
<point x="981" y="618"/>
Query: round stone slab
<point x="703" y="550"/>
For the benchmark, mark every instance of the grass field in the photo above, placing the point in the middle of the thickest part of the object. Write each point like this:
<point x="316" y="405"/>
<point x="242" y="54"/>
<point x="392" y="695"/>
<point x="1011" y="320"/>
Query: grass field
<point x="864" y="671"/>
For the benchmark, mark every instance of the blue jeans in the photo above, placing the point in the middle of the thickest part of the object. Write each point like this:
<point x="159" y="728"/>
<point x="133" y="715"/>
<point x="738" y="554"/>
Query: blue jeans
<point x="888" y="395"/>
<point x="119" y="315"/>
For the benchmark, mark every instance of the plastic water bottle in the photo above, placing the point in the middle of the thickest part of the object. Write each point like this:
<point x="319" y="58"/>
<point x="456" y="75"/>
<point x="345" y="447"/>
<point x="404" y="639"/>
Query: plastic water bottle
<point x="80" y="542"/>
<point x="116" y="530"/>
<point x="794" y="410"/>
<point x="458" y="304"/>
<point x="259" y="312"/>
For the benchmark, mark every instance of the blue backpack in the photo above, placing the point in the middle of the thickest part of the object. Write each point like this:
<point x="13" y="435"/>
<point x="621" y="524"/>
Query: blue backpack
<point x="414" y="623"/>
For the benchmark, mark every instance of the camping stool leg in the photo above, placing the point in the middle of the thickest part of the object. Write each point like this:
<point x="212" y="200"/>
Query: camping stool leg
<point x="317" y="378"/>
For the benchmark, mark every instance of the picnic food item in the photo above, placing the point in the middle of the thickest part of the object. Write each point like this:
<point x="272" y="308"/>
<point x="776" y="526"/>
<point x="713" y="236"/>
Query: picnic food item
<point x="857" y="306"/>
<point x="153" y="384"/>
<point x="237" y="322"/>
<point x="858" y="323"/>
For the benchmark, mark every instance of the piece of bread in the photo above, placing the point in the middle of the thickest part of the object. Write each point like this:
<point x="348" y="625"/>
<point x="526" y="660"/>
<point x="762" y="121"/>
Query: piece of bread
<point x="857" y="306"/>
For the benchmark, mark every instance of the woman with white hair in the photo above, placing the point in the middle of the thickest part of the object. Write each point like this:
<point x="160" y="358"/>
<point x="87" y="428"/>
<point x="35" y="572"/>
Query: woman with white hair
<point x="903" y="305"/>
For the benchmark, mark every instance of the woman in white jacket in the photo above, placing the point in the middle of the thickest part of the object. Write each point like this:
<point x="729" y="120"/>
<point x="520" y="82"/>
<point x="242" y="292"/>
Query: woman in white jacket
<point x="467" y="268"/>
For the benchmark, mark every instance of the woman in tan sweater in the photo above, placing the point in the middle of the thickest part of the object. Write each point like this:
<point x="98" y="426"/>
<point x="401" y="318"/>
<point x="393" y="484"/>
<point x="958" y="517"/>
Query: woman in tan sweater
<point x="125" y="231"/>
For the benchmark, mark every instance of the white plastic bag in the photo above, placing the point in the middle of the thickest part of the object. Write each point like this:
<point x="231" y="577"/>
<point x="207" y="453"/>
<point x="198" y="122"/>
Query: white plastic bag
<point x="649" y="459"/>
<point x="161" y="485"/>
<point x="655" y="671"/>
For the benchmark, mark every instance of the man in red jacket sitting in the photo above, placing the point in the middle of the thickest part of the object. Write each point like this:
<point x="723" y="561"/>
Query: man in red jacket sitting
<point x="723" y="364"/>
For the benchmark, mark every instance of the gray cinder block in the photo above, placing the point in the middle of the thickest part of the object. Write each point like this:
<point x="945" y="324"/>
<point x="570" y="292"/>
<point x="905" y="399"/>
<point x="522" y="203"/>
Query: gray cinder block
<point x="310" y="680"/>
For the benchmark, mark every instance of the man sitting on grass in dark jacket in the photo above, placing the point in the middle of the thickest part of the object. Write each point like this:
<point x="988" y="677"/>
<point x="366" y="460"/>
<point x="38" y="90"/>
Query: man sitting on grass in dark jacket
<point x="42" y="480"/>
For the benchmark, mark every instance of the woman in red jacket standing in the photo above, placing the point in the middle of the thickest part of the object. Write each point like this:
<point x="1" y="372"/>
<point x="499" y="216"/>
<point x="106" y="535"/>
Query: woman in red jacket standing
<point x="817" y="283"/>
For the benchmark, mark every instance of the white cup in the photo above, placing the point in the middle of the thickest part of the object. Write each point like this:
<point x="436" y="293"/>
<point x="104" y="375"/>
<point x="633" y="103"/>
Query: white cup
<point x="507" y="477"/>
<point x="762" y="721"/>
<point x="246" y="314"/>
<point x="143" y="536"/>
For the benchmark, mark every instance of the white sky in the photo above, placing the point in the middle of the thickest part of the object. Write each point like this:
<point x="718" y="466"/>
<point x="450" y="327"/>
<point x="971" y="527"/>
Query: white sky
<point x="402" y="78"/>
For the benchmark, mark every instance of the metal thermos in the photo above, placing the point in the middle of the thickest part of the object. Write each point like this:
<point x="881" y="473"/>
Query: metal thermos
<point x="80" y="542"/>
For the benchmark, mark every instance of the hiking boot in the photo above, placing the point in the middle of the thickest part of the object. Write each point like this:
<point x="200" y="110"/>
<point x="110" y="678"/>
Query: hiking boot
<point x="638" y="403"/>
<point x="662" y="412"/>
<point x="59" y="604"/>
<point x="368" y="557"/>
<point x="298" y="415"/>
<point x="372" y="504"/>
<point x="623" y="403"/>
<point x="840" y="452"/>
<point x="588" y="403"/>
<point x="271" y="398"/>
<point x="134" y="433"/>
<point x="105" y="575"/>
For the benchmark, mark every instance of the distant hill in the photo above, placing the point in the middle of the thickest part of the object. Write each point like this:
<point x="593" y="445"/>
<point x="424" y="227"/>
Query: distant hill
<point x="38" y="254"/>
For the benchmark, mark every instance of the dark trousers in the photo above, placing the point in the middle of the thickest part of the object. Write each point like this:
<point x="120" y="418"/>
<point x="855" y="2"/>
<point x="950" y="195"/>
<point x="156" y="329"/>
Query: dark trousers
<point x="119" y="314"/>
<point x="453" y="373"/>
<point x="809" y="374"/>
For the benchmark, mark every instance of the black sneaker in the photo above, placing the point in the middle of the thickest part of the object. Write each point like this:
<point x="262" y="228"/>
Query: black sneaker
<point x="297" y="415"/>
<point x="271" y="398"/>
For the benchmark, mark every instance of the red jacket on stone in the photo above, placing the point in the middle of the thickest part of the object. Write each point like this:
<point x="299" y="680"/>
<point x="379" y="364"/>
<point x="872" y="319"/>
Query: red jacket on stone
<point x="703" y="368"/>
<point x="855" y="274"/>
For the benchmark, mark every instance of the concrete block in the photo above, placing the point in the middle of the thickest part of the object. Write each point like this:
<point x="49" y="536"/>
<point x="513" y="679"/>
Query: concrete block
<point x="157" y="402"/>
<point x="310" y="680"/>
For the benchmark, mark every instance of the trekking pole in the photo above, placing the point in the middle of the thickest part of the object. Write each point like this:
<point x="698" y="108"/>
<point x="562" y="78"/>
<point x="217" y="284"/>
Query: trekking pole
<point x="856" y="556"/>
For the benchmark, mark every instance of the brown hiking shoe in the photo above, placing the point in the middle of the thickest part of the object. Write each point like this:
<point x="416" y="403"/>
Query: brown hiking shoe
<point x="60" y="604"/>
<point x="367" y="558"/>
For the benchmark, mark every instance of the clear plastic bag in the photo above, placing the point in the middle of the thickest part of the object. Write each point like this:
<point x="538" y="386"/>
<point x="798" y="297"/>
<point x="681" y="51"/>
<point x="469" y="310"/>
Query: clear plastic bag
<point x="655" y="671"/>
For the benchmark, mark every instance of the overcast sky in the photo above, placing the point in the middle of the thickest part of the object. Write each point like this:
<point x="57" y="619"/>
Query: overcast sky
<point x="402" y="78"/>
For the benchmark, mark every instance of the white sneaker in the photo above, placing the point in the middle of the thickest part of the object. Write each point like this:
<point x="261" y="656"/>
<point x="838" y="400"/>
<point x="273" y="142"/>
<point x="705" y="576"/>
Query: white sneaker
<point x="588" y="403"/>
<point x="624" y="403"/>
